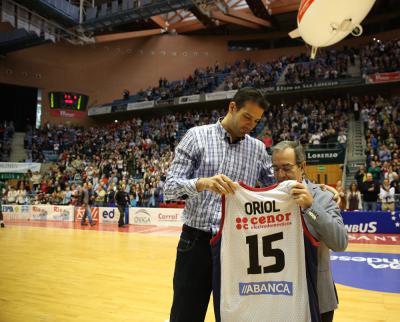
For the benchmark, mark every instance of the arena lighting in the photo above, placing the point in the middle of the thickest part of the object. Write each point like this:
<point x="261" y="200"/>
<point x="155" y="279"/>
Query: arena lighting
<point x="116" y="121"/>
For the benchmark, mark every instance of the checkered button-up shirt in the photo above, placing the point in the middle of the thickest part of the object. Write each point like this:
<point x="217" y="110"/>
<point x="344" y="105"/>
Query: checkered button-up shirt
<point x="206" y="151"/>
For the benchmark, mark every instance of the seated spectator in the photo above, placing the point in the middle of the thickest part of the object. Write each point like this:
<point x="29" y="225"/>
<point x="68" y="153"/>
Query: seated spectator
<point x="370" y="190"/>
<point x="342" y="138"/>
<point x="76" y="195"/>
<point x="100" y="196"/>
<point x="353" y="198"/>
<point x="375" y="171"/>
<point x="110" y="197"/>
<point x="12" y="195"/>
<point x="36" y="179"/>
<point x="133" y="199"/>
<point x="316" y="138"/>
<point x="360" y="175"/>
<point x="67" y="196"/>
<point x="384" y="154"/>
<point x="57" y="196"/>
<point x="342" y="193"/>
<point x="21" y="195"/>
<point x="387" y="196"/>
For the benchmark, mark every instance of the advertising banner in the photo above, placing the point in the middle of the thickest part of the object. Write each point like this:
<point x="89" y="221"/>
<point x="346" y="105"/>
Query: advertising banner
<point x="216" y="96"/>
<point x="15" y="212"/>
<point x="108" y="215"/>
<point x="103" y="215"/>
<point x="98" y="110"/>
<point x="156" y="216"/>
<point x="383" y="78"/>
<point x="119" y="108"/>
<point x="19" y="167"/>
<point x="325" y="156"/>
<point x="368" y="271"/>
<point x="67" y="113"/>
<point x="140" y="105"/>
<point x="51" y="213"/>
<point x="79" y="211"/>
<point x="231" y="93"/>
<point x="189" y="99"/>
<point x="373" y="222"/>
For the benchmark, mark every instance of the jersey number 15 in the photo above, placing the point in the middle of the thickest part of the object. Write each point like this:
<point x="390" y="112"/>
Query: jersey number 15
<point x="268" y="251"/>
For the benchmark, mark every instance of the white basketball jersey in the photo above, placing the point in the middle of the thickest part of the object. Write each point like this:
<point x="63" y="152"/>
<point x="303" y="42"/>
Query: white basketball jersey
<point x="262" y="260"/>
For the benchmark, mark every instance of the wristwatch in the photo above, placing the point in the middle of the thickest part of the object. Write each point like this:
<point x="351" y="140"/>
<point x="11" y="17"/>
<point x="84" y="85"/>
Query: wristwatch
<point x="310" y="213"/>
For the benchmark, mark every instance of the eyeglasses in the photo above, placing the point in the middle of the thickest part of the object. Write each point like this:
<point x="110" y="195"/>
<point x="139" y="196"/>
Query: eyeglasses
<point x="286" y="168"/>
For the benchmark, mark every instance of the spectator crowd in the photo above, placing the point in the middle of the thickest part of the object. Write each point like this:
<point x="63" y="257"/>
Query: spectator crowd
<point x="136" y="154"/>
<point x="380" y="57"/>
<point x="377" y="180"/>
<point x="330" y="64"/>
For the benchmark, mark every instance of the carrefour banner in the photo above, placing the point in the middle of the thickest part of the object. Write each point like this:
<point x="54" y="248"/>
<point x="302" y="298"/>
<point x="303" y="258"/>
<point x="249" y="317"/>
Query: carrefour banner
<point x="79" y="212"/>
<point x="51" y="213"/>
<point x="156" y="216"/>
<point x="19" y="167"/>
<point x="378" y="222"/>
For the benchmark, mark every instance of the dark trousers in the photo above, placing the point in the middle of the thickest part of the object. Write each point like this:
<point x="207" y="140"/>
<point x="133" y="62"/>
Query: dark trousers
<point x="88" y="214"/>
<point x="192" y="277"/>
<point x="327" y="317"/>
<point x="121" y="215"/>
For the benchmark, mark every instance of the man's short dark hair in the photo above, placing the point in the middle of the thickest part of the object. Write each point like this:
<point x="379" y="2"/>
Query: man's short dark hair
<point x="246" y="94"/>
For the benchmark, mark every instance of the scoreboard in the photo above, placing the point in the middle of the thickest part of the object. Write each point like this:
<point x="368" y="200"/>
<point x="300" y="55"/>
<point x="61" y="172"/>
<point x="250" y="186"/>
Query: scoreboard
<point x="68" y="100"/>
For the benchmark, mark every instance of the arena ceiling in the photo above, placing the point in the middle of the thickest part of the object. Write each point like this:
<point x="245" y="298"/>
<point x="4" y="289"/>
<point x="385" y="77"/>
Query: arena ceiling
<point x="272" y="18"/>
<point x="225" y="17"/>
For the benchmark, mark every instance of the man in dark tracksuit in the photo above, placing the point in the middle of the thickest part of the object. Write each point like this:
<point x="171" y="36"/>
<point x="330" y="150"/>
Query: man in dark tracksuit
<point x="85" y="198"/>
<point x="122" y="200"/>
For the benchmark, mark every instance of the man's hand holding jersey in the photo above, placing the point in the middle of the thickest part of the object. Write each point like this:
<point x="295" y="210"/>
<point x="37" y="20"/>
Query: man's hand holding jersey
<point x="220" y="184"/>
<point x="301" y="195"/>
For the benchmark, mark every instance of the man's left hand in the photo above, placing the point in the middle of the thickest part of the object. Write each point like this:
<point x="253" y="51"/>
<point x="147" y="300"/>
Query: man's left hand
<point x="336" y="195"/>
<point x="301" y="195"/>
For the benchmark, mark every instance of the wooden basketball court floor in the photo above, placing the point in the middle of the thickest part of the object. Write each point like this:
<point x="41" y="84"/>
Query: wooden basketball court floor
<point x="61" y="272"/>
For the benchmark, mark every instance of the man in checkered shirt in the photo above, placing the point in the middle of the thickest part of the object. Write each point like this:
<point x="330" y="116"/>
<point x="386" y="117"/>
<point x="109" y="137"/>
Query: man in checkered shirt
<point x="208" y="161"/>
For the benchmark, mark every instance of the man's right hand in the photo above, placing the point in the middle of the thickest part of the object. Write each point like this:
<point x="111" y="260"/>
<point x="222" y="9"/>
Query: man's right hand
<point x="220" y="184"/>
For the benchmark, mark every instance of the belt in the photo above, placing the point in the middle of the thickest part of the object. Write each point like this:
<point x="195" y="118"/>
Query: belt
<point x="196" y="233"/>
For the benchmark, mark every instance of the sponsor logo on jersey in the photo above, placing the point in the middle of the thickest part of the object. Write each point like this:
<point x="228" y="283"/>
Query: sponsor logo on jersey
<point x="262" y="214"/>
<point x="267" y="288"/>
<point x="263" y="221"/>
